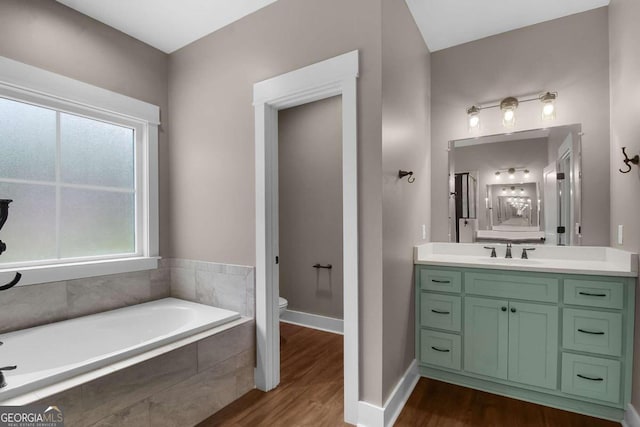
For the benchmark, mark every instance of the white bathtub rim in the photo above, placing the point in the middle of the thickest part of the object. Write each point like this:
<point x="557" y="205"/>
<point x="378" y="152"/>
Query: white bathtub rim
<point x="69" y="383"/>
<point x="120" y="354"/>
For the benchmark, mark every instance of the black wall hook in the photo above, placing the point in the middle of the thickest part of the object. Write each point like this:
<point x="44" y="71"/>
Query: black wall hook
<point x="634" y="160"/>
<point x="402" y="174"/>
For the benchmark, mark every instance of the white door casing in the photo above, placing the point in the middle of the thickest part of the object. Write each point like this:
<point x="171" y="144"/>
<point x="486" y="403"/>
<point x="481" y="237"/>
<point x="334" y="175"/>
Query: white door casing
<point x="332" y="77"/>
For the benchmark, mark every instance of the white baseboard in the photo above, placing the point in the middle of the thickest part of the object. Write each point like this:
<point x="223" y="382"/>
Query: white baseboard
<point x="314" y="321"/>
<point x="631" y="417"/>
<point x="374" y="416"/>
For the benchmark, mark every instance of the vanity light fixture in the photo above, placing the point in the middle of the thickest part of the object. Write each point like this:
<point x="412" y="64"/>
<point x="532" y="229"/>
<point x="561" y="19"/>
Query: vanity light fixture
<point x="497" y="175"/>
<point x="548" y="105"/>
<point x="508" y="107"/>
<point x="512" y="173"/>
<point x="474" y="118"/>
<point x="526" y="173"/>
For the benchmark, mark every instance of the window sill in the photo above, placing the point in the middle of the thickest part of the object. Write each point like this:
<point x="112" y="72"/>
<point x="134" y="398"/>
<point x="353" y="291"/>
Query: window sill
<point x="79" y="270"/>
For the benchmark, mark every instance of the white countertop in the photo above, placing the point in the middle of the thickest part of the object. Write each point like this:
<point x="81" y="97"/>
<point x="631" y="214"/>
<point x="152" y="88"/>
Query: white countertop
<point x="603" y="261"/>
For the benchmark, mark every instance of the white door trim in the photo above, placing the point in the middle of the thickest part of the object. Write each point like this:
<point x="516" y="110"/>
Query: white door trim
<point x="335" y="76"/>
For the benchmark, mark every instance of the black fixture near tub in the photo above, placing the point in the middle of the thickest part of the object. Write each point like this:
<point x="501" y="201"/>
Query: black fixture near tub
<point x="4" y="214"/>
<point x="3" y="382"/>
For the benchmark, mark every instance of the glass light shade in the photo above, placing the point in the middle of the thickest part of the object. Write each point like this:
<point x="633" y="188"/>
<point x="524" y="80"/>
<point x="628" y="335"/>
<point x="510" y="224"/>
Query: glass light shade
<point x="508" y="107"/>
<point x="508" y="118"/>
<point x="473" y="118"/>
<point x="548" y="106"/>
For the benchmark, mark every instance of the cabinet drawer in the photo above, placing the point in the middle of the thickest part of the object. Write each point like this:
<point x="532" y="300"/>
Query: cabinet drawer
<point x="591" y="377"/>
<point x="593" y="293"/>
<point x="437" y="348"/>
<point x="512" y="286"/>
<point x="592" y="331"/>
<point x="440" y="280"/>
<point x="440" y="311"/>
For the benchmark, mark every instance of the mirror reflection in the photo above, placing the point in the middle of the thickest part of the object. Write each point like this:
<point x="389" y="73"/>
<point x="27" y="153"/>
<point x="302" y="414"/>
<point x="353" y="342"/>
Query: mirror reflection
<point x="519" y="187"/>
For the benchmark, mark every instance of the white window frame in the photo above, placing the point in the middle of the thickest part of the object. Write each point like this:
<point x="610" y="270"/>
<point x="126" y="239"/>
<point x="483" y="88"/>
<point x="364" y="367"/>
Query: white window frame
<point x="32" y="85"/>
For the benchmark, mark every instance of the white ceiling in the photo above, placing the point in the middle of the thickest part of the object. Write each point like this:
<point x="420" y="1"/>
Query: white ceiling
<point x="169" y="24"/>
<point x="447" y="23"/>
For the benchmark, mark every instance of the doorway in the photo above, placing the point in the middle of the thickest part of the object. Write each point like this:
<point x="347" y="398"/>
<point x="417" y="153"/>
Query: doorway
<point x="329" y="78"/>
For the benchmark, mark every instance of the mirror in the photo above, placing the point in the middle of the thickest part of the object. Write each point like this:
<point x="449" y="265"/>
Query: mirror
<point x="518" y="187"/>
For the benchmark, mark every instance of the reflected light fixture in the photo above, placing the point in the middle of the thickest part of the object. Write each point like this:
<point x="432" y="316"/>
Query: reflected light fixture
<point x="474" y="118"/>
<point x="548" y="105"/>
<point x="508" y="107"/>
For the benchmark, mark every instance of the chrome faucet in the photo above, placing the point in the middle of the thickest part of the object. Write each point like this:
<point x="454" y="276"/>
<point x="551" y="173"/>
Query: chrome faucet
<point x="508" y="254"/>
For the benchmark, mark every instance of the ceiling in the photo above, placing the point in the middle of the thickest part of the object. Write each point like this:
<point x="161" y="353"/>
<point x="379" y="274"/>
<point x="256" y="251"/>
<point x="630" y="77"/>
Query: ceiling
<point x="169" y="25"/>
<point x="447" y="23"/>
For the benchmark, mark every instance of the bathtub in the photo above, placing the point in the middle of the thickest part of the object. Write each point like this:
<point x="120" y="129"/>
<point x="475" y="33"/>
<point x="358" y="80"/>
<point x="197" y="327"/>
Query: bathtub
<point x="51" y="353"/>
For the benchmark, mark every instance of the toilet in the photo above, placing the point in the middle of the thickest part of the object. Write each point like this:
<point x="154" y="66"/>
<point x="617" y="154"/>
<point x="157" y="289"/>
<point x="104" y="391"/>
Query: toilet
<point x="283" y="303"/>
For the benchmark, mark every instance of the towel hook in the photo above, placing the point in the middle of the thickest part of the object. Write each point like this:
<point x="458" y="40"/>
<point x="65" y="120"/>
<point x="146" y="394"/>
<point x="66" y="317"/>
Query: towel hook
<point x="402" y="174"/>
<point x="634" y="160"/>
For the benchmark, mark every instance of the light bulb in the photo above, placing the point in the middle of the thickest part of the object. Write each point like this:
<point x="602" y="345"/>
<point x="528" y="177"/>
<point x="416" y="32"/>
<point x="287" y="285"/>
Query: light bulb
<point x="508" y="115"/>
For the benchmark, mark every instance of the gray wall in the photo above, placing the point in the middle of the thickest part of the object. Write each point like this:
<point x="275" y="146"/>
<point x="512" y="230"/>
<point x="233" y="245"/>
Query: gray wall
<point x="51" y="36"/>
<point x="488" y="158"/>
<point x="568" y="55"/>
<point x="310" y="211"/>
<point x="405" y="145"/>
<point x="624" y="34"/>
<point x="212" y="139"/>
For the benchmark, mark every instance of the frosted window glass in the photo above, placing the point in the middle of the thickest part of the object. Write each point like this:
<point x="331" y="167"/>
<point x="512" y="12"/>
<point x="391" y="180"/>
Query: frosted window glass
<point x="27" y="141"/>
<point x="30" y="229"/>
<point x="96" y="223"/>
<point x="96" y="153"/>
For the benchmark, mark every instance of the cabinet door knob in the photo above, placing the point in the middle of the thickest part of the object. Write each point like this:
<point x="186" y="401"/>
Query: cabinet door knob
<point x="513" y="309"/>
<point x="504" y="308"/>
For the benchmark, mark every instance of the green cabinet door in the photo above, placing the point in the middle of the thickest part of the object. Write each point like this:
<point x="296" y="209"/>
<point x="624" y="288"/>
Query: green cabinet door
<point x="533" y="344"/>
<point x="486" y="336"/>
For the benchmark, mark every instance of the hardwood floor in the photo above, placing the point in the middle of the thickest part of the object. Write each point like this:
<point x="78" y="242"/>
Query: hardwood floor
<point x="437" y="404"/>
<point x="311" y="392"/>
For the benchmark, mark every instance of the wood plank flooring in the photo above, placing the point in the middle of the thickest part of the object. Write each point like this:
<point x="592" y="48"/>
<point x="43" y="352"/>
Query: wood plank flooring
<point x="311" y="392"/>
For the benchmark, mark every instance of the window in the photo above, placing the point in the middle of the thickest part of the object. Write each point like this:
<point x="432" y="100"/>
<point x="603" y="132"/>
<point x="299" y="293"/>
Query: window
<point x="83" y="179"/>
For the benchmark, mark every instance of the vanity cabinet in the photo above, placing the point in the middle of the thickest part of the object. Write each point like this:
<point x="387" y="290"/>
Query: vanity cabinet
<point x="563" y="340"/>
<point x="515" y="341"/>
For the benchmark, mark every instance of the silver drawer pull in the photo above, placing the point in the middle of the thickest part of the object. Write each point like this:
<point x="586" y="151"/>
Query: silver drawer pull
<point x="440" y="312"/>
<point x="442" y="350"/>
<point x="584" y="331"/>
<point x="584" y="377"/>
<point x="440" y="281"/>
<point x="589" y="294"/>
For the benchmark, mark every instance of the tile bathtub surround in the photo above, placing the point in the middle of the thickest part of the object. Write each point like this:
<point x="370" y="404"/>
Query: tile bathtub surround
<point x="181" y="387"/>
<point x="221" y="285"/>
<point x="27" y="306"/>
